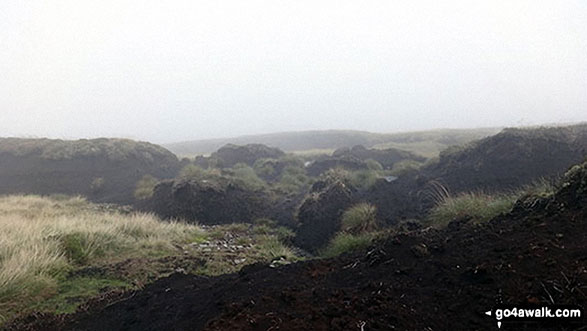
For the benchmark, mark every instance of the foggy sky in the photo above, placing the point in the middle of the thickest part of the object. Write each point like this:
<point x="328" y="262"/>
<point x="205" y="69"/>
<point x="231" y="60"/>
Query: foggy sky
<point x="168" y="71"/>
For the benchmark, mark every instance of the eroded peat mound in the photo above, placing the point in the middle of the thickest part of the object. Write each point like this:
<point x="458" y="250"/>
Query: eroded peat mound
<point x="505" y="162"/>
<point x="420" y="280"/>
<point x="510" y="159"/>
<point x="212" y="202"/>
<point x="103" y="170"/>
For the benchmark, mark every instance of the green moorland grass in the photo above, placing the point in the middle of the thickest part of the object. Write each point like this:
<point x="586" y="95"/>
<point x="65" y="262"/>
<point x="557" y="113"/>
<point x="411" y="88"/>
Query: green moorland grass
<point x="359" y="218"/>
<point x="345" y="242"/>
<point x="358" y="230"/>
<point x="481" y="206"/>
<point x="145" y="187"/>
<point x="240" y="174"/>
<point x="362" y="179"/>
<point x="43" y="239"/>
<point x="247" y="177"/>
<point x="50" y="246"/>
<point x="405" y="166"/>
<point x="293" y="179"/>
<point x="194" y="172"/>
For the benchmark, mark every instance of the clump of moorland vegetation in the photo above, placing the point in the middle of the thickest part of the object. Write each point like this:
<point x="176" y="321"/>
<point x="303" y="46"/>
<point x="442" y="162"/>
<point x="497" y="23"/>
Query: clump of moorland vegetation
<point x="404" y="167"/>
<point x="260" y="167"/>
<point x="359" y="226"/>
<point x="272" y="174"/>
<point x="286" y="174"/>
<point x="145" y="187"/>
<point x="276" y="176"/>
<point x="270" y="188"/>
<point x="194" y="172"/>
<point x="358" y="230"/>
<point x="480" y="207"/>
<point x="56" y="252"/>
<point x="362" y="179"/>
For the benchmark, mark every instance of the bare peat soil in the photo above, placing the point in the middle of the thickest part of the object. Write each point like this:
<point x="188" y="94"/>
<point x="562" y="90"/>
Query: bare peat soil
<point x="424" y="280"/>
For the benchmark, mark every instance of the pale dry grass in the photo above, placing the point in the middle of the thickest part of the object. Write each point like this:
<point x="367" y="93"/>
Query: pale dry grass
<point x="42" y="237"/>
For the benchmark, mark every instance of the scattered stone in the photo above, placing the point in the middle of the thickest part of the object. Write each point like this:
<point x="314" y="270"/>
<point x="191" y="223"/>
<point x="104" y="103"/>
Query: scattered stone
<point x="420" y="250"/>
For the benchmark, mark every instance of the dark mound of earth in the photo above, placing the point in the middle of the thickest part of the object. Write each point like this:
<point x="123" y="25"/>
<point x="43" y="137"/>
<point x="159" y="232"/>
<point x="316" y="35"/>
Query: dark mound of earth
<point x="230" y="154"/>
<point x="503" y="162"/>
<point x="401" y="199"/>
<point x="510" y="159"/>
<point x="104" y="170"/>
<point x="386" y="157"/>
<point x="419" y="280"/>
<point x="272" y="170"/>
<point x="207" y="201"/>
<point x="319" y="215"/>
<point x="500" y="163"/>
<point x="322" y="165"/>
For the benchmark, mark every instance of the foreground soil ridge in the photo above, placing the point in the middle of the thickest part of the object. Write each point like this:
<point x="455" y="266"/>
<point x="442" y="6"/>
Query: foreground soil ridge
<point x="426" y="279"/>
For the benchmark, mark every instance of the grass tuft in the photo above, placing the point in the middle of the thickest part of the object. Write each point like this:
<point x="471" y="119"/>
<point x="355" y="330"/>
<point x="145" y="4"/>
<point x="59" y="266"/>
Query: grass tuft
<point x="272" y="248"/>
<point x="359" y="218"/>
<point x="345" y="242"/>
<point x="358" y="230"/>
<point x="481" y="207"/>
<point x="145" y="187"/>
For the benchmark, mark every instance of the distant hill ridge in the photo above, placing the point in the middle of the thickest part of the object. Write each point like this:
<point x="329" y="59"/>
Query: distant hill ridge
<point x="334" y="139"/>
